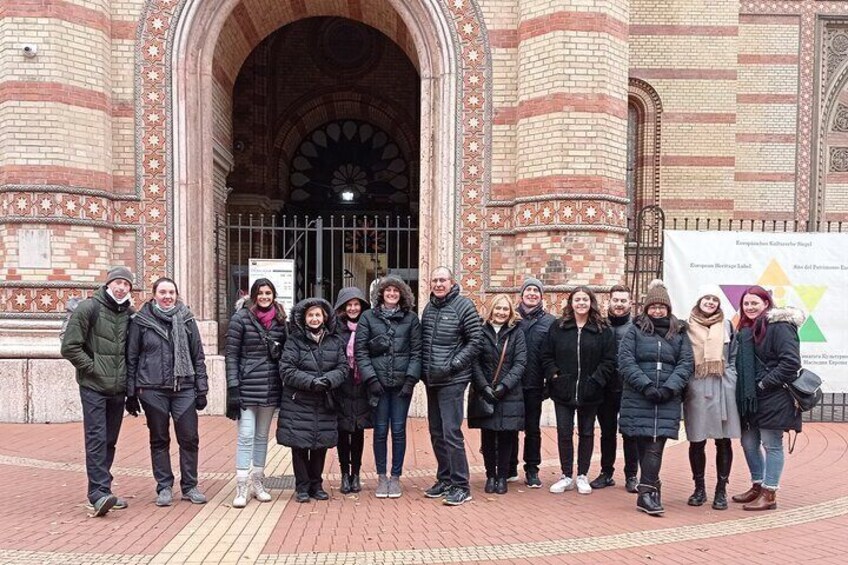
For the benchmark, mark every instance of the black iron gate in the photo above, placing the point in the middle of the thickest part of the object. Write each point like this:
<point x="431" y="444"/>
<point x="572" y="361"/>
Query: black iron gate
<point x="644" y="251"/>
<point x="329" y="252"/>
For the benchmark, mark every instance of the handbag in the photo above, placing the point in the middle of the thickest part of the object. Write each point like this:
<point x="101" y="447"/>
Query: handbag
<point x="805" y="390"/>
<point x="481" y="405"/>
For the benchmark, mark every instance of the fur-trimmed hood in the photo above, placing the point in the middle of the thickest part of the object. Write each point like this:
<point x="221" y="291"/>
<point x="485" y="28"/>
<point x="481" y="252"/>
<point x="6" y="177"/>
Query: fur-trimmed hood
<point x="790" y="314"/>
<point x="407" y="299"/>
<point x="298" y="313"/>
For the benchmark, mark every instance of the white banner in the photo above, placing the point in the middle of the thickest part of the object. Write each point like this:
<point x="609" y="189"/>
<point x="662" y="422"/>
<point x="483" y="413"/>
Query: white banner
<point x="278" y="271"/>
<point x="805" y="270"/>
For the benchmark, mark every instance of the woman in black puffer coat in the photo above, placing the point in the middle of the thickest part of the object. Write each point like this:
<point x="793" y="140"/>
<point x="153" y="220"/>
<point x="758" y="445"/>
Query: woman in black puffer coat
<point x="502" y="338"/>
<point x="768" y="358"/>
<point x="255" y="339"/>
<point x="655" y="361"/>
<point x="578" y="359"/>
<point x="388" y="354"/>
<point x="352" y="397"/>
<point x="312" y="366"/>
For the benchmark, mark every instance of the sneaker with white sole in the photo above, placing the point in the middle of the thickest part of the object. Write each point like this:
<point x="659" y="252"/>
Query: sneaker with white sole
<point x="258" y="488"/>
<point x="583" y="485"/>
<point x="563" y="484"/>
<point x="242" y="492"/>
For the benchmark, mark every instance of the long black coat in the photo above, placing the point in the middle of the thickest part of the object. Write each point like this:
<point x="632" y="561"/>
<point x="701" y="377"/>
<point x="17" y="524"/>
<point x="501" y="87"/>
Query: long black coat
<point x="535" y="328"/>
<point x="639" y="356"/>
<point x="451" y="333"/>
<point x="150" y="356"/>
<point x="616" y="383"/>
<point x="249" y="365"/>
<point x="578" y="362"/>
<point x="509" y="410"/>
<point x="402" y="359"/>
<point x="352" y="400"/>
<point x="780" y="360"/>
<point x="308" y="419"/>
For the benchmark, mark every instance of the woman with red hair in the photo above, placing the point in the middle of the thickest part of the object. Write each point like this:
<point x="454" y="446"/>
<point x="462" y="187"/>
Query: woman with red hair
<point x="768" y="357"/>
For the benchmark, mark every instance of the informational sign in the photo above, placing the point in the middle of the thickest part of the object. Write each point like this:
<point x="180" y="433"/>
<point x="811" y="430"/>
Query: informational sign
<point x="278" y="271"/>
<point x="805" y="270"/>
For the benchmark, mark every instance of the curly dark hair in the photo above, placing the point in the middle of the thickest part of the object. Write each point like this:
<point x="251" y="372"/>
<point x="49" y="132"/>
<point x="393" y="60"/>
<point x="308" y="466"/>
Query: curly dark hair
<point x="595" y="317"/>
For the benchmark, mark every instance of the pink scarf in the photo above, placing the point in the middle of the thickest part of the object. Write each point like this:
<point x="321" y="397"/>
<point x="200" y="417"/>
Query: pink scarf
<point x="351" y="360"/>
<point x="265" y="317"/>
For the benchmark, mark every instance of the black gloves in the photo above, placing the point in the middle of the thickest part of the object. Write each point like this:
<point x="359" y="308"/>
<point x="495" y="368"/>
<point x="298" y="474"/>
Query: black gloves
<point x="407" y="388"/>
<point x="233" y="403"/>
<point x="200" y="402"/>
<point x="488" y="394"/>
<point x="132" y="406"/>
<point x="374" y="387"/>
<point x="321" y="384"/>
<point x="500" y="391"/>
<point x="667" y="394"/>
<point x="653" y="394"/>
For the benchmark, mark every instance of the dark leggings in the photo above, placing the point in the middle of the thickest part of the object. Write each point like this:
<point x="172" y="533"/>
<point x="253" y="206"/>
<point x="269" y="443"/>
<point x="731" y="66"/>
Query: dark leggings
<point x="650" y="459"/>
<point x="698" y="458"/>
<point x="351" y="445"/>
<point x="497" y="452"/>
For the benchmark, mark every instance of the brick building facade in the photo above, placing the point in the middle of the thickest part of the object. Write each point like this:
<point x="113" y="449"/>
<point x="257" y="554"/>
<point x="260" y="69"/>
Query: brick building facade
<point x="530" y="131"/>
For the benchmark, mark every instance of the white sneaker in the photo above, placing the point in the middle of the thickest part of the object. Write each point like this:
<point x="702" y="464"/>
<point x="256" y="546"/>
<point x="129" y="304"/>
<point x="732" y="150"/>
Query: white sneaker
<point x="240" y="500"/>
<point x="583" y="486"/>
<point x="563" y="484"/>
<point x="259" y="492"/>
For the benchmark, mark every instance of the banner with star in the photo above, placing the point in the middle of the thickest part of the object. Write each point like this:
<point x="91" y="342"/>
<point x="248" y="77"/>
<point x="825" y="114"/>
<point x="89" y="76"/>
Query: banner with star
<point x="805" y="270"/>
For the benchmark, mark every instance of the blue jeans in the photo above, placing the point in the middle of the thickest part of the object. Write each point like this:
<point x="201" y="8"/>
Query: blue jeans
<point x="445" y="411"/>
<point x="765" y="468"/>
<point x="252" y="445"/>
<point x="391" y="410"/>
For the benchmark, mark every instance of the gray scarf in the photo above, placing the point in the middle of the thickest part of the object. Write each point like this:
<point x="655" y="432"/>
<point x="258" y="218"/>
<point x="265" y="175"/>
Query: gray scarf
<point x="176" y="318"/>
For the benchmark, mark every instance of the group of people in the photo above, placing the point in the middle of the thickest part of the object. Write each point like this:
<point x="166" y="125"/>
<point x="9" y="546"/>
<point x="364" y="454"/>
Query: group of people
<point x="331" y="372"/>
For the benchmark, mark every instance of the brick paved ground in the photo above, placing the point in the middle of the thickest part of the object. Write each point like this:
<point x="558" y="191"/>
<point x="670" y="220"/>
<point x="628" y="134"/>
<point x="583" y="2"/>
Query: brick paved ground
<point x="42" y="477"/>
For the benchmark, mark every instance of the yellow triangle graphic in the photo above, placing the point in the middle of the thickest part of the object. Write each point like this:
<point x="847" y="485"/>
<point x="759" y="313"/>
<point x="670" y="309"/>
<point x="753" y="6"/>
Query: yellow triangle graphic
<point x="810" y="295"/>
<point x="773" y="276"/>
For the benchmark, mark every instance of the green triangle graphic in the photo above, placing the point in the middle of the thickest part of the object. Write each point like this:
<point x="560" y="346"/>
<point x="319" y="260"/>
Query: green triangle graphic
<point x="810" y="295"/>
<point x="810" y="332"/>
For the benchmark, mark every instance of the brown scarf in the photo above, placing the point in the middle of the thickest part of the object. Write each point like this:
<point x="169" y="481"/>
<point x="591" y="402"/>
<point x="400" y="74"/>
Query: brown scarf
<point x="707" y="336"/>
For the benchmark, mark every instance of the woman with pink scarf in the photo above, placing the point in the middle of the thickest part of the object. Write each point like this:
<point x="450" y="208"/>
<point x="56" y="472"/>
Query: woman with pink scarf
<point x="352" y="398"/>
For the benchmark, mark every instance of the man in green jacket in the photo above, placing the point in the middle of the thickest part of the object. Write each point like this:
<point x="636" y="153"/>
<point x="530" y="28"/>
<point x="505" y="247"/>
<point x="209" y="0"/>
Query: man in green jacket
<point x="95" y="343"/>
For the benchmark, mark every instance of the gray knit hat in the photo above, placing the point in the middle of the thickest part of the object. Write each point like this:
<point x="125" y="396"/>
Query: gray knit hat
<point x="530" y="281"/>
<point x="120" y="273"/>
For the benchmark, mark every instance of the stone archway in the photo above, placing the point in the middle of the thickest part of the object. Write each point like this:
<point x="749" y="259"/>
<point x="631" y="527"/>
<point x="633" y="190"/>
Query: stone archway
<point x="178" y="150"/>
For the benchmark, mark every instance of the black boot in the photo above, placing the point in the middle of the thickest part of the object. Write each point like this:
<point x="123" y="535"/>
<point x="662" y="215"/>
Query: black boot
<point x="355" y="483"/>
<point x="344" y="488"/>
<point x="490" y="485"/>
<point x="724" y="461"/>
<point x="647" y="501"/>
<point x="699" y="497"/>
<point x="501" y="486"/>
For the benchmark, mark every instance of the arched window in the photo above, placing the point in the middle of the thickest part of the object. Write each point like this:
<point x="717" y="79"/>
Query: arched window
<point x="644" y="113"/>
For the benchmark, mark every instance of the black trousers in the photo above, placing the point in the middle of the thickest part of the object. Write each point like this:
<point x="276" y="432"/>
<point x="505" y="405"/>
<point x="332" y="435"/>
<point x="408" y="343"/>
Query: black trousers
<point x="533" y="399"/>
<point x="608" y="422"/>
<point x="102" y="416"/>
<point x="308" y="465"/>
<point x="351" y="445"/>
<point x="497" y="452"/>
<point x="565" y="436"/>
<point x="160" y="406"/>
<point x="650" y="458"/>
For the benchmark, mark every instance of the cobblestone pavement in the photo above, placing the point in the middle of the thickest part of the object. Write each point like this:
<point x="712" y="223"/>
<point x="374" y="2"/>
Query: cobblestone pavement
<point x="42" y="477"/>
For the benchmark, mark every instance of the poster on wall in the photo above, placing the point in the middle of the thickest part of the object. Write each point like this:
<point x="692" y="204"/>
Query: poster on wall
<point x="805" y="270"/>
<point x="278" y="271"/>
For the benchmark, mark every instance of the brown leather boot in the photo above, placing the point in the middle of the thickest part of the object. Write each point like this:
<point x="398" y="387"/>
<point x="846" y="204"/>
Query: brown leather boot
<point x="749" y="495"/>
<point x="766" y="501"/>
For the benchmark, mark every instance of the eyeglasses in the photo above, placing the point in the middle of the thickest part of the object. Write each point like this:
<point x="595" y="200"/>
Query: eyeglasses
<point x="657" y="307"/>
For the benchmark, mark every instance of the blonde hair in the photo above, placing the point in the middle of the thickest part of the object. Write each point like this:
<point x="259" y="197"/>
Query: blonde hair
<point x="489" y="307"/>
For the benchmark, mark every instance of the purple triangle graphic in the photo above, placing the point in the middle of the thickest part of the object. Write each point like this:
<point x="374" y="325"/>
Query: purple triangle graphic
<point x="734" y="293"/>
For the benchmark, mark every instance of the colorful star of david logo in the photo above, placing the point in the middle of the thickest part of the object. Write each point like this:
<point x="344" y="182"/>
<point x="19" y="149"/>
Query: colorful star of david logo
<point x="784" y="292"/>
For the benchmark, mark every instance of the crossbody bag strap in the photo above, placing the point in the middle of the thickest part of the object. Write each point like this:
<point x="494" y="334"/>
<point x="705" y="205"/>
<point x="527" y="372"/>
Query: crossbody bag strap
<point x="501" y="362"/>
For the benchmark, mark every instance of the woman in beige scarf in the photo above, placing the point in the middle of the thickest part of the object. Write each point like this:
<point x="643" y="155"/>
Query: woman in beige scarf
<point x="709" y="403"/>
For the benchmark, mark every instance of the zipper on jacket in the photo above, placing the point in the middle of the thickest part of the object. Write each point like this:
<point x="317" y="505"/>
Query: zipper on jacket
<point x="579" y="369"/>
<point x="657" y="406"/>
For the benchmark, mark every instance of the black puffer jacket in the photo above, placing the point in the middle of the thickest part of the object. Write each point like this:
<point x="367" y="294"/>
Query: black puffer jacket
<point x="308" y="418"/>
<point x="249" y="365"/>
<point x="509" y="410"/>
<point x="388" y="345"/>
<point x="615" y="383"/>
<point x="578" y="362"/>
<point x="352" y="400"/>
<point x="451" y="334"/>
<point x="780" y="357"/>
<point x="535" y="327"/>
<point x="150" y="356"/>
<point x="639" y="355"/>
